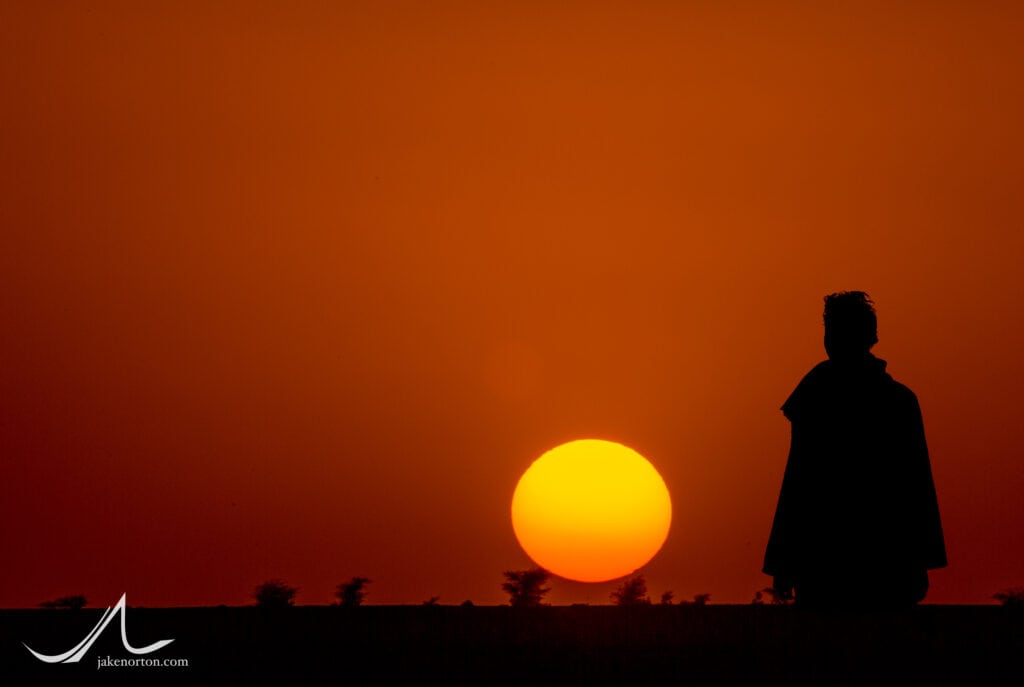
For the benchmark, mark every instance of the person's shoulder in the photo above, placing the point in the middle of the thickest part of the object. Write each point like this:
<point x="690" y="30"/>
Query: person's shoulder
<point x="902" y="393"/>
<point x="807" y="389"/>
<point x="815" y="377"/>
<point x="818" y="372"/>
<point x="903" y="389"/>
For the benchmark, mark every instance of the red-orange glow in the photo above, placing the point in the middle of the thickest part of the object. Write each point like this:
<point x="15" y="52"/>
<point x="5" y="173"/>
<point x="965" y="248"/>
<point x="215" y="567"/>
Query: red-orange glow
<point x="294" y="289"/>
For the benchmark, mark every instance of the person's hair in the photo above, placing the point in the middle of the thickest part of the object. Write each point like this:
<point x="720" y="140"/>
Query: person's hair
<point x="850" y="320"/>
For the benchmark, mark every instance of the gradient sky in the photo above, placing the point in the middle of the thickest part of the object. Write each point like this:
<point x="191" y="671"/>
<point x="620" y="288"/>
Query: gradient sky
<point x="299" y="290"/>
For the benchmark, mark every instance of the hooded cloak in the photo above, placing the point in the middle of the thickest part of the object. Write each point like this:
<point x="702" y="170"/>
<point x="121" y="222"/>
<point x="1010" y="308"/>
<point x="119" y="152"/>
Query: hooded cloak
<point x="857" y="510"/>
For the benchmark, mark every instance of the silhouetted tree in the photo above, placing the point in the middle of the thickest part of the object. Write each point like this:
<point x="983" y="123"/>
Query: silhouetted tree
<point x="1010" y="597"/>
<point x="468" y="603"/>
<point x="526" y="587"/>
<point x="73" y="602"/>
<point x="353" y="592"/>
<point x="632" y="592"/>
<point x="699" y="600"/>
<point x="666" y="598"/>
<point x="274" y="594"/>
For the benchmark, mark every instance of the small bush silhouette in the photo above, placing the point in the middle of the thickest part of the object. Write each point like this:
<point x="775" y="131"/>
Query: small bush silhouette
<point x="1011" y="597"/>
<point x="632" y="592"/>
<point x="698" y="600"/>
<point x="73" y="602"/>
<point x="526" y="587"/>
<point x="274" y="594"/>
<point x="666" y="598"/>
<point x="432" y="601"/>
<point x="353" y="592"/>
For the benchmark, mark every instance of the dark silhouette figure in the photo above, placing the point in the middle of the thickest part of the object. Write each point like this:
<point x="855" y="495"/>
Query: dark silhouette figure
<point x="857" y="522"/>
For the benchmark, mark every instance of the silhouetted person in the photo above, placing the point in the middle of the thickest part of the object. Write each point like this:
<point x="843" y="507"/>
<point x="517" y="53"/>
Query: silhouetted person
<point x="857" y="522"/>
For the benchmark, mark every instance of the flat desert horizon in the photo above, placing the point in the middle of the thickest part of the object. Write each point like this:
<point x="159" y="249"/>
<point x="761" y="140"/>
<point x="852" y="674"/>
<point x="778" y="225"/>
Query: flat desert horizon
<point x="727" y="644"/>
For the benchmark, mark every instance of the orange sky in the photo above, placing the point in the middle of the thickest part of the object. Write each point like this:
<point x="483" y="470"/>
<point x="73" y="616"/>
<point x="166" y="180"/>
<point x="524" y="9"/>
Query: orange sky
<point x="299" y="290"/>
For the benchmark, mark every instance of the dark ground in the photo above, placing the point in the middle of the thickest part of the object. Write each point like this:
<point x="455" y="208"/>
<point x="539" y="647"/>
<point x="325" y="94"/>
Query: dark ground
<point x="938" y="645"/>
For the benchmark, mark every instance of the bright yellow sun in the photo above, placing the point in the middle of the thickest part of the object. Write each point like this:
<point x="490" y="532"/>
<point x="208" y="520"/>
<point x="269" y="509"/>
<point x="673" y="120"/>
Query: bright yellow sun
<point x="591" y="510"/>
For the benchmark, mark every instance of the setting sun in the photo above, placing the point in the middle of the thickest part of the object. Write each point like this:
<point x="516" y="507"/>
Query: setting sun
<point x="591" y="510"/>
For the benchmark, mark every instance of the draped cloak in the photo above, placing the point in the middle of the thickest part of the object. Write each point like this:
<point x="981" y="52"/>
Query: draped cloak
<point x="857" y="509"/>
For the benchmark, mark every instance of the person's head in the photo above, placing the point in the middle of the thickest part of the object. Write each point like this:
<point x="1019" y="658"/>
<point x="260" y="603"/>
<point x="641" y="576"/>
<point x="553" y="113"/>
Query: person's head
<point x="851" y="328"/>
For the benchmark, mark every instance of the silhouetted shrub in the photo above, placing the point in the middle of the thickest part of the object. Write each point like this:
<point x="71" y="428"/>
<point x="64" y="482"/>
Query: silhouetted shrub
<point x="73" y="602"/>
<point x="1011" y="597"/>
<point x="274" y="594"/>
<point x="666" y="598"/>
<point x="432" y="601"/>
<point x="698" y="600"/>
<point x="526" y="587"/>
<point x="353" y="592"/>
<point x="632" y="592"/>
